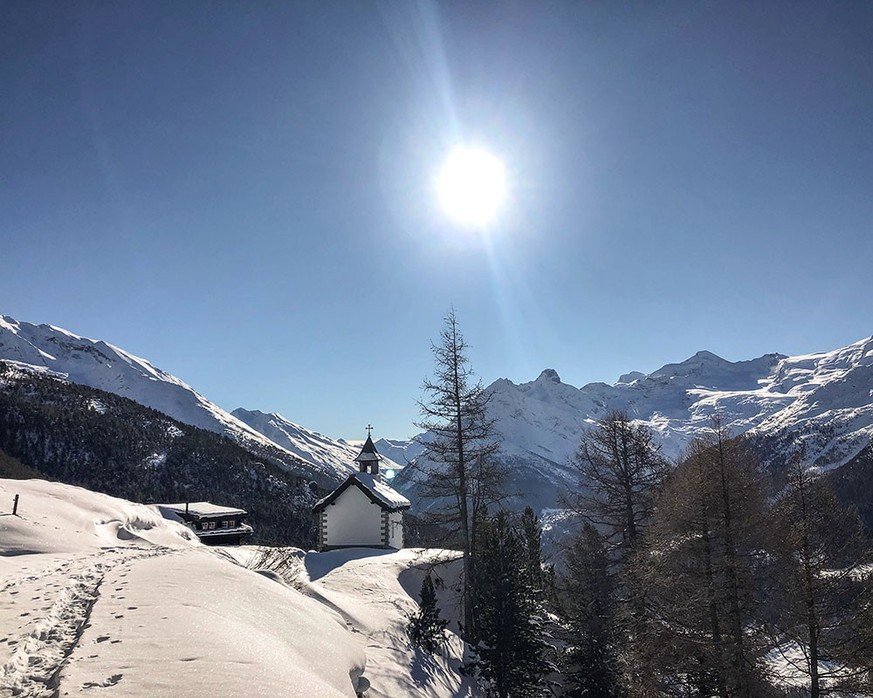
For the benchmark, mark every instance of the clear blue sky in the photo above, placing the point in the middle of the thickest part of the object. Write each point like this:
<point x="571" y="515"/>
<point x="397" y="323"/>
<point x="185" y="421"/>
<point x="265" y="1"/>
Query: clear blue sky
<point x="241" y="192"/>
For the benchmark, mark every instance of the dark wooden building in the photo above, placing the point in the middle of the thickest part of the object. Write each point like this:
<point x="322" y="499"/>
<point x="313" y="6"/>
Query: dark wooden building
<point x="213" y="524"/>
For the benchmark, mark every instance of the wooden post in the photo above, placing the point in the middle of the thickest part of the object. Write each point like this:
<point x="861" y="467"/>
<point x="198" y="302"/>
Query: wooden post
<point x="15" y="505"/>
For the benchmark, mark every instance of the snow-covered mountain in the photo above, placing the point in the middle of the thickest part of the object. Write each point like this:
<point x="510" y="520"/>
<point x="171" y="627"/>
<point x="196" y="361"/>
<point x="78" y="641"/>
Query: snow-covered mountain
<point x="402" y="451"/>
<point x="101" y="365"/>
<point x="826" y="398"/>
<point x="305" y="443"/>
<point x="823" y="400"/>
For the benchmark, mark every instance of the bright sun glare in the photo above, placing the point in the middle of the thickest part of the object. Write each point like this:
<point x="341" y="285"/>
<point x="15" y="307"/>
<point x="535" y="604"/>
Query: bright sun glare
<point x="471" y="185"/>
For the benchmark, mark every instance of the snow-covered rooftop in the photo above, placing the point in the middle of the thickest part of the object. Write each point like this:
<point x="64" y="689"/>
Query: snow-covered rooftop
<point x="203" y="509"/>
<point x="372" y="485"/>
<point x="387" y="494"/>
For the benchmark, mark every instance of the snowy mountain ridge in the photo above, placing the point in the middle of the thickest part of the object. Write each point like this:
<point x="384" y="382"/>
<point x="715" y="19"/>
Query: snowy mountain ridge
<point x="822" y="400"/>
<point x="305" y="443"/>
<point x="104" y="366"/>
<point x="815" y="395"/>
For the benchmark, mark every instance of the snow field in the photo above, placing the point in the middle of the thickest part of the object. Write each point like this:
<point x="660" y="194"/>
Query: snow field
<point x="99" y="596"/>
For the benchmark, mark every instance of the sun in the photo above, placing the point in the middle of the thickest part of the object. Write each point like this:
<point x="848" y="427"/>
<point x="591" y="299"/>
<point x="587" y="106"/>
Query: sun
<point x="471" y="186"/>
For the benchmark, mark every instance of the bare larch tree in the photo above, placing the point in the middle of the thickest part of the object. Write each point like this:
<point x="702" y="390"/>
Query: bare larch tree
<point x="459" y="473"/>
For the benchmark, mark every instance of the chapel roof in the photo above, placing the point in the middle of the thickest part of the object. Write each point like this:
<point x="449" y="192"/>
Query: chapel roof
<point x="378" y="491"/>
<point x="368" y="451"/>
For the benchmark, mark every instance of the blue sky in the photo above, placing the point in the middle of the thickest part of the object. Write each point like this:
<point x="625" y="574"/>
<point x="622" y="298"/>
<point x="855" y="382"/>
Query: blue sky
<point x="242" y="193"/>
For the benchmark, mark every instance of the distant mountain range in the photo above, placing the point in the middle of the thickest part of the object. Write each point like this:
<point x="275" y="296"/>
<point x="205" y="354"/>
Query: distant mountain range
<point x="823" y="401"/>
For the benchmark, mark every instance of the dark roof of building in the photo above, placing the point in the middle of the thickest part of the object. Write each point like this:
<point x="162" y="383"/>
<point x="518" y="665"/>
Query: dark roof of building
<point x="368" y="451"/>
<point x="371" y="485"/>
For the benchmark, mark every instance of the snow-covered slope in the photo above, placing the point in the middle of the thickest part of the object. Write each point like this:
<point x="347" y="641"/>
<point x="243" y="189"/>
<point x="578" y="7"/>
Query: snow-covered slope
<point x="374" y="592"/>
<point x="100" y="365"/>
<point x="824" y="400"/>
<point x="99" y="595"/>
<point x="104" y="366"/>
<point x="305" y="443"/>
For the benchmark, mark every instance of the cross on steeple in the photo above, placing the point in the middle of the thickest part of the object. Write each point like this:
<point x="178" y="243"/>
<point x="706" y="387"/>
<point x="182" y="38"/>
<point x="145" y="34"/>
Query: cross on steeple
<point x="369" y="429"/>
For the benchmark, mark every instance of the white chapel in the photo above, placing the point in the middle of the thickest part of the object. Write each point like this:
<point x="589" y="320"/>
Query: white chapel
<point x="364" y="511"/>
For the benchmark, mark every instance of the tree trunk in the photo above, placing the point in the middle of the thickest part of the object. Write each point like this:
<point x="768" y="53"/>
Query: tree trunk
<point x="809" y="592"/>
<point x="740" y="686"/>
<point x="463" y="497"/>
<point x="714" y="624"/>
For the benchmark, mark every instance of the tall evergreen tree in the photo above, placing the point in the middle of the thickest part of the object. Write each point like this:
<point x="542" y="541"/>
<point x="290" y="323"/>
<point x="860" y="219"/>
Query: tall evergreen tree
<point x="511" y="648"/>
<point x="621" y="469"/>
<point x="587" y="604"/>
<point x="459" y="474"/>
<point x="533" y="547"/>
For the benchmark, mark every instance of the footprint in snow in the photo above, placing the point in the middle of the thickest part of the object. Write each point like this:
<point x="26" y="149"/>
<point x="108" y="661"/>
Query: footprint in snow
<point x="111" y="681"/>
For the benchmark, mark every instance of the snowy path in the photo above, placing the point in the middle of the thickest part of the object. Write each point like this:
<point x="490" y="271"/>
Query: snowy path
<point x="43" y="614"/>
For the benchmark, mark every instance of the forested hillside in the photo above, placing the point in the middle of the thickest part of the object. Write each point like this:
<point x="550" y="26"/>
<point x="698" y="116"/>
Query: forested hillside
<point x="88" y="437"/>
<point x="853" y="484"/>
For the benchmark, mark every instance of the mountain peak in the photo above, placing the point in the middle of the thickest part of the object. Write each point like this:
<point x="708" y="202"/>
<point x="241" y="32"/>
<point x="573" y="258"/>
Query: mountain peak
<point x="549" y="375"/>
<point x="241" y="412"/>
<point x="626" y="378"/>
<point x="702" y="361"/>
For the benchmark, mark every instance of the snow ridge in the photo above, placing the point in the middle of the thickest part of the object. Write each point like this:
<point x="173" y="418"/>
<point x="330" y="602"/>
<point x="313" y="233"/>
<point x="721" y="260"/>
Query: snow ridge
<point x="100" y="365"/>
<point x="309" y="445"/>
<point x="92" y="609"/>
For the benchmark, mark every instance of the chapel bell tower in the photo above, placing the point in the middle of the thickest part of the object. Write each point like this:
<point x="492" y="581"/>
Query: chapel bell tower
<point x="368" y="459"/>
